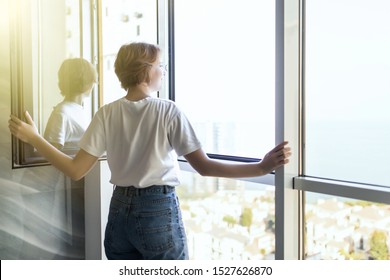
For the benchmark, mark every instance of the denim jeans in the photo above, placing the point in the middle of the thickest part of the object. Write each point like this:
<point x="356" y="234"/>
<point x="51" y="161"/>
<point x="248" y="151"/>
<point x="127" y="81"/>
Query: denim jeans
<point x="145" y="224"/>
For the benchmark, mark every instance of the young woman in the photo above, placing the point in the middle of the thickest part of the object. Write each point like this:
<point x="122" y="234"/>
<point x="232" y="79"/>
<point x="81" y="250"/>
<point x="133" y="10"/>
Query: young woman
<point x="142" y="137"/>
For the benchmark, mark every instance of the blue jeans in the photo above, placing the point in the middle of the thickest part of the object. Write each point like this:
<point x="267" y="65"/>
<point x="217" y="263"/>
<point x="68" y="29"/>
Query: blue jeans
<point x="145" y="224"/>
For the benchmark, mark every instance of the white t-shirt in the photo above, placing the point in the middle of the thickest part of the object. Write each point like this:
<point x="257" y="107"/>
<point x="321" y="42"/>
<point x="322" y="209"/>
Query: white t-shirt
<point x="142" y="140"/>
<point x="66" y="125"/>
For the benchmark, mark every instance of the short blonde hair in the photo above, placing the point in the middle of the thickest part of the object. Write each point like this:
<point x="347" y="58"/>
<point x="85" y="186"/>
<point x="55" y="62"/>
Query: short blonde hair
<point x="133" y="63"/>
<point x="76" y="76"/>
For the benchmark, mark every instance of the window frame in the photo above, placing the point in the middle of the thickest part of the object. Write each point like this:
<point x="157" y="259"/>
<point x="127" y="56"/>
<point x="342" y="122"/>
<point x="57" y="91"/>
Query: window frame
<point x="289" y="181"/>
<point x="288" y="202"/>
<point x="339" y="188"/>
<point x="354" y="190"/>
<point x="170" y="45"/>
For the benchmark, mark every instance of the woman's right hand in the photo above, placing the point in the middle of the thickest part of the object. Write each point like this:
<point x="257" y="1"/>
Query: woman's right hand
<point x="275" y="158"/>
<point x="25" y="131"/>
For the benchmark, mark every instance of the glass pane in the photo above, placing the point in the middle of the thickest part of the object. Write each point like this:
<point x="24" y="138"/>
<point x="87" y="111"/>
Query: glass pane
<point x="342" y="228"/>
<point x="227" y="219"/>
<point x="348" y="90"/>
<point x="62" y="18"/>
<point x="124" y="22"/>
<point x="59" y="39"/>
<point x="225" y="73"/>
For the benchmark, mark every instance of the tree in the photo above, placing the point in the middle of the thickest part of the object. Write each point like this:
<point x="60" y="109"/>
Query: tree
<point x="246" y="218"/>
<point x="231" y="221"/>
<point x="378" y="246"/>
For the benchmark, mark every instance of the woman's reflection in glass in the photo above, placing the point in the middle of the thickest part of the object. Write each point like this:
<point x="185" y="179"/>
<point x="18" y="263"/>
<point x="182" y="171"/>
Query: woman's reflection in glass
<point x="69" y="120"/>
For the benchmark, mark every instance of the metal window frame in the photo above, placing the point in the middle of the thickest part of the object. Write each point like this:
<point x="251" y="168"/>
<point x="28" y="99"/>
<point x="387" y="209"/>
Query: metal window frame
<point x="288" y="116"/>
<point x="367" y="192"/>
<point x="288" y="202"/>
<point x="303" y="183"/>
<point x="329" y="186"/>
<point x="172" y="93"/>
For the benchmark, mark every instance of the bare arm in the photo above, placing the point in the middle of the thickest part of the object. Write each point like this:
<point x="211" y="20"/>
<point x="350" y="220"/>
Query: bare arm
<point x="205" y="166"/>
<point x="76" y="167"/>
